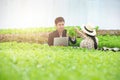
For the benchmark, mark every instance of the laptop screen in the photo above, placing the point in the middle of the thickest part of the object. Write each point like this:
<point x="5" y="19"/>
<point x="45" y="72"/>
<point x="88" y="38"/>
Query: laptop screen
<point x="61" y="41"/>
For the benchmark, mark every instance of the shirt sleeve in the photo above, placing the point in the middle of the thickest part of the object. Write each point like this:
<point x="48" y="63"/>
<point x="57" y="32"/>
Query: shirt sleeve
<point x="50" y="40"/>
<point x="72" y="41"/>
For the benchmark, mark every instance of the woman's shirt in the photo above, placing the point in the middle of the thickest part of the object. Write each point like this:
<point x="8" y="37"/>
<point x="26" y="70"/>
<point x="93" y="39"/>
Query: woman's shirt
<point x="87" y="41"/>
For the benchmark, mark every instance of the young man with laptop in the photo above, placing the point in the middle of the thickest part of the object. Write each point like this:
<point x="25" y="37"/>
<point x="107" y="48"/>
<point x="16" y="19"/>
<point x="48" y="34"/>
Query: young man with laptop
<point x="59" y="36"/>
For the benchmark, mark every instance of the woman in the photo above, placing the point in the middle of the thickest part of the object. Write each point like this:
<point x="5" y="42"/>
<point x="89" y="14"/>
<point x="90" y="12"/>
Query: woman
<point x="88" y="34"/>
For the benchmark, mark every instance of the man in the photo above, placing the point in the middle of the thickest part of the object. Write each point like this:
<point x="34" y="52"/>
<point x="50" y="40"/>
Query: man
<point x="59" y="32"/>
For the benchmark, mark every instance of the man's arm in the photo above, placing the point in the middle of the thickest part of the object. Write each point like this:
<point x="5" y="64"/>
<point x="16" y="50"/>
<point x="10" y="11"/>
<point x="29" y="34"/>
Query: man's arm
<point x="72" y="40"/>
<point x="50" y="40"/>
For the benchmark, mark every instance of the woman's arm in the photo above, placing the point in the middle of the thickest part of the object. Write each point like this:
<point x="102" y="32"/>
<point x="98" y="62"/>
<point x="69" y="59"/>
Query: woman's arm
<point x="82" y="35"/>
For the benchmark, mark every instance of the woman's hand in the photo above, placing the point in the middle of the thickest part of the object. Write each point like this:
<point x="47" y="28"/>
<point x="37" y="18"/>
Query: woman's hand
<point x="77" y="30"/>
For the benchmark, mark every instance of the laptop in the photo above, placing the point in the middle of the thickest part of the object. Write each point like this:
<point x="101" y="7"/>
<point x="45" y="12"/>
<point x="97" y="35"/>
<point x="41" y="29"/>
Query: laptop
<point x="61" y="41"/>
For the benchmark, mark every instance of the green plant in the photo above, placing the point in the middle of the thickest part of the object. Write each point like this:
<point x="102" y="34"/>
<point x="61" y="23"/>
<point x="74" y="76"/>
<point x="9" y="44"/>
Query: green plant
<point x="71" y="31"/>
<point x="25" y="61"/>
<point x="96" y="28"/>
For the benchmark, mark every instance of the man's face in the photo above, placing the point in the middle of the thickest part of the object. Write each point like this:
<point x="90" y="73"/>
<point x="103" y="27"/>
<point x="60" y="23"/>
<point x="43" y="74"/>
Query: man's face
<point x="60" y="26"/>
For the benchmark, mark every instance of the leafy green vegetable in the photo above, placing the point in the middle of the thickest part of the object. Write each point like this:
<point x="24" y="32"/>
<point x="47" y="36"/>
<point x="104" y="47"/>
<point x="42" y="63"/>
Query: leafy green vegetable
<point x="96" y="28"/>
<point x="25" y="61"/>
<point x="71" y="31"/>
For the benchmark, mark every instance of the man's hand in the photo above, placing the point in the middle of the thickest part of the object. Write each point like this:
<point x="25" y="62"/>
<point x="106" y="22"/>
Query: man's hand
<point x="73" y="38"/>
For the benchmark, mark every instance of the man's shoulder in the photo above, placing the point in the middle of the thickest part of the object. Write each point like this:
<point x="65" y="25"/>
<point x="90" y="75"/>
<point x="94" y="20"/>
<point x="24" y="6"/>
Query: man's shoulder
<point x="52" y="33"/>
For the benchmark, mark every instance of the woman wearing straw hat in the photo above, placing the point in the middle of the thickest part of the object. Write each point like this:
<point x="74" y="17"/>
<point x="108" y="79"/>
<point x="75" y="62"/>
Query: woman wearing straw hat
<point x="88" y="34"/>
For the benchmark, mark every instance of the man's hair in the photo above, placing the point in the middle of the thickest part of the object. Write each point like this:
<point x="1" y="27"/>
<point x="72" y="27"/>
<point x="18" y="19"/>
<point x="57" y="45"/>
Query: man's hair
<point x="59" y="19"/>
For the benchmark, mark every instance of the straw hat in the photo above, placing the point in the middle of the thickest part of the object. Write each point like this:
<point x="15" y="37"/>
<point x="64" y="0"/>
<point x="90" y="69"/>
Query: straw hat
<point x="88" y="29"/>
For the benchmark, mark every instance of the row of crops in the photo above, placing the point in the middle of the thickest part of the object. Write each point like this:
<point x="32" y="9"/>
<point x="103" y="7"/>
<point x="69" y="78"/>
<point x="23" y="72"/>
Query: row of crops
<point x="31" y="61"/>
<point x="40" y="35"/>
<point x="23" y="57"/>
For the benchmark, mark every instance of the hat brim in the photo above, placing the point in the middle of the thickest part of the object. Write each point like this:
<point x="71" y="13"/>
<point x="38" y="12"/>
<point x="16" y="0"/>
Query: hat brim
<point x="89" y="33"/>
